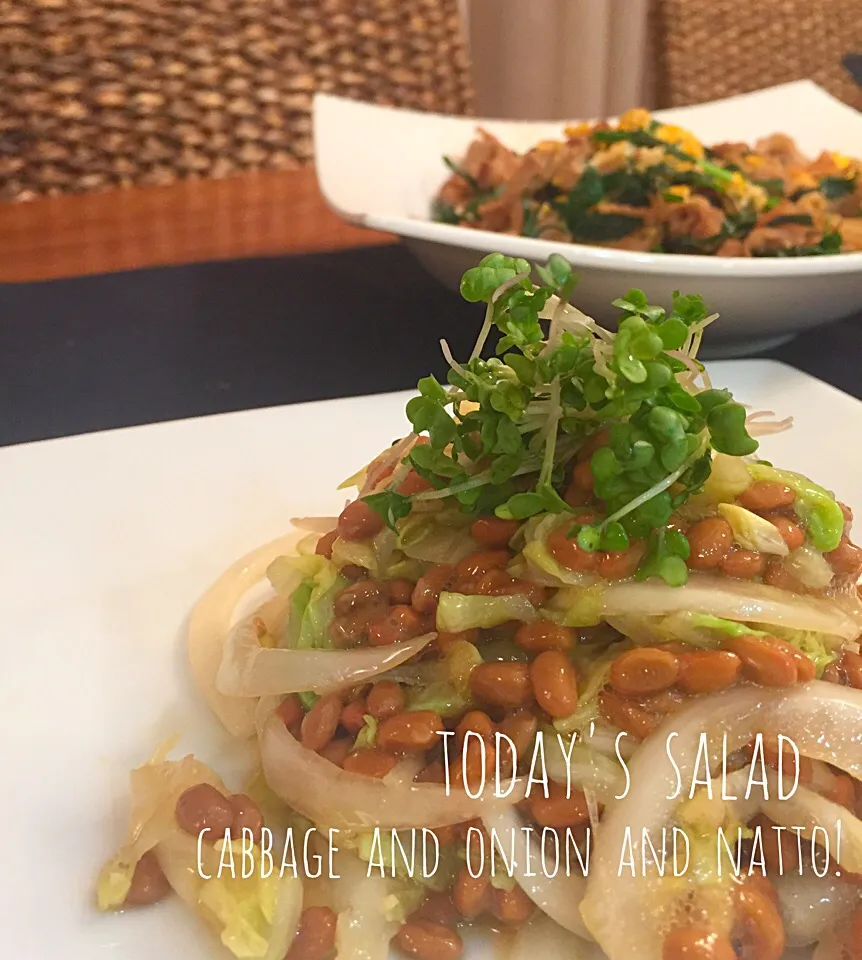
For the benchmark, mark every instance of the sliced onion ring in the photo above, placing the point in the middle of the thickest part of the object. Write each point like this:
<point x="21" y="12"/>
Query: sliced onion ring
<point x="824" y="720"/>
<point x="333" y="797"/>
<point x="405" y="771"/>
<point x="379" y="467"/>
<point x="210" y="624"/>
<point x="363" y="931"/>
<point x="319" y="525"/>
<point x="807" y="809"/>
<point x="625" y="913"/>
<point x="812" y="907"/>
<point x="733" y="600"/>
<point x="542" y="938"/>
<point x="250" y="670"/>
<point x="560" y="896"/>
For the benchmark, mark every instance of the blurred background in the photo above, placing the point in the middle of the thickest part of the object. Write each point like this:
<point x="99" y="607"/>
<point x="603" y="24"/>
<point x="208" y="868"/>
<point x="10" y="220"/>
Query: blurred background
<point x="102" y="93"/>
<point x="600" y="57"/>
<point x="162" y="234"/>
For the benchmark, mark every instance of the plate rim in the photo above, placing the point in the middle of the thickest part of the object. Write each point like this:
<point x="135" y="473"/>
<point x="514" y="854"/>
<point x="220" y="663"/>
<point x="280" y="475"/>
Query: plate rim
<point x="609" y="258"/>
<point x="210" y="418"/>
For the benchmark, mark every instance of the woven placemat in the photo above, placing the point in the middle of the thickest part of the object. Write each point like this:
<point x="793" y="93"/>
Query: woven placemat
<point x="709" y="49"/>
<point x="103" y="93"/>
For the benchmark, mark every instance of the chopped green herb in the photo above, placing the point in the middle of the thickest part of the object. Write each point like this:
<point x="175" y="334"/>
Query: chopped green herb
<point x="833" y="188"/>
<point x="641" y="138"/>
<point x="803" y="219"/>
<point x="774" y="186"/>
<point x="602" y="227"/>
<point x="460" y="172"/>
<point x="829" y="244"/>
<point x="444" y="212"/>
<point x="530" y="223"/>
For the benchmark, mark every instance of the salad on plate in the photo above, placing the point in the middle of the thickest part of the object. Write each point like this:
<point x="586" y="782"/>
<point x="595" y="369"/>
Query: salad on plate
<point x="573" y="642"/>
<point x="648" y="186"/>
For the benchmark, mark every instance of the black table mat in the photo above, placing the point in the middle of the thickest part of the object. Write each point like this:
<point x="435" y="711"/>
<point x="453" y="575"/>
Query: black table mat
<point x="93" y="353"/>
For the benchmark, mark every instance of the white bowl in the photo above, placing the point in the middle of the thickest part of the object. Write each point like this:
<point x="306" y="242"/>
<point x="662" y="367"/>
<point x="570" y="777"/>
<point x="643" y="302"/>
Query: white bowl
<point x="380" y="167"/>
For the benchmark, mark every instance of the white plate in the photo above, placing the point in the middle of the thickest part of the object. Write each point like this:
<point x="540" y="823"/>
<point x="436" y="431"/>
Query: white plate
<point x="107" y="541"/>
<point x="381" y="167"/>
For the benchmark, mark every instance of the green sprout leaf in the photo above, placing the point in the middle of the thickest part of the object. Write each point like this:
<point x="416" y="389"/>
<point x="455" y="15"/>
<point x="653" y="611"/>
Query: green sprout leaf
<point x="690" y="308"/>
<point x="481" y="282"/>
<point x="521" y="506"/>
<point x="557" y="273"/>
<point x="673" y="333"/>
<point x="392" y="506"/>
<point x="615" y="537"/>
<point x="430" y="388"/>
<point x="727" y="431"/>
<point x="539" y="398"/>
<point x="667" y="551"/>
<point x="589" y="538"/>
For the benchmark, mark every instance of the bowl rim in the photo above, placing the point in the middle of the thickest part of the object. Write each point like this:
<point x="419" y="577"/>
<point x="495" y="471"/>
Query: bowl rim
<point x="610" y="258"/>
<point x="331" y="114"/>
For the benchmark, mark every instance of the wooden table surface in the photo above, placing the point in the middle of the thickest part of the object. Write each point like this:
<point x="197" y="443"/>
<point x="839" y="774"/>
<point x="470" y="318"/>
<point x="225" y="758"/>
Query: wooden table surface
<point x="261" y="214"/>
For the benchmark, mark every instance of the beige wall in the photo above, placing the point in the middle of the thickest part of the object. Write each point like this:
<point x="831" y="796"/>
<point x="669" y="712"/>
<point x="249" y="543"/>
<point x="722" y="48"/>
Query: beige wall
<point x="558" y="59"/>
